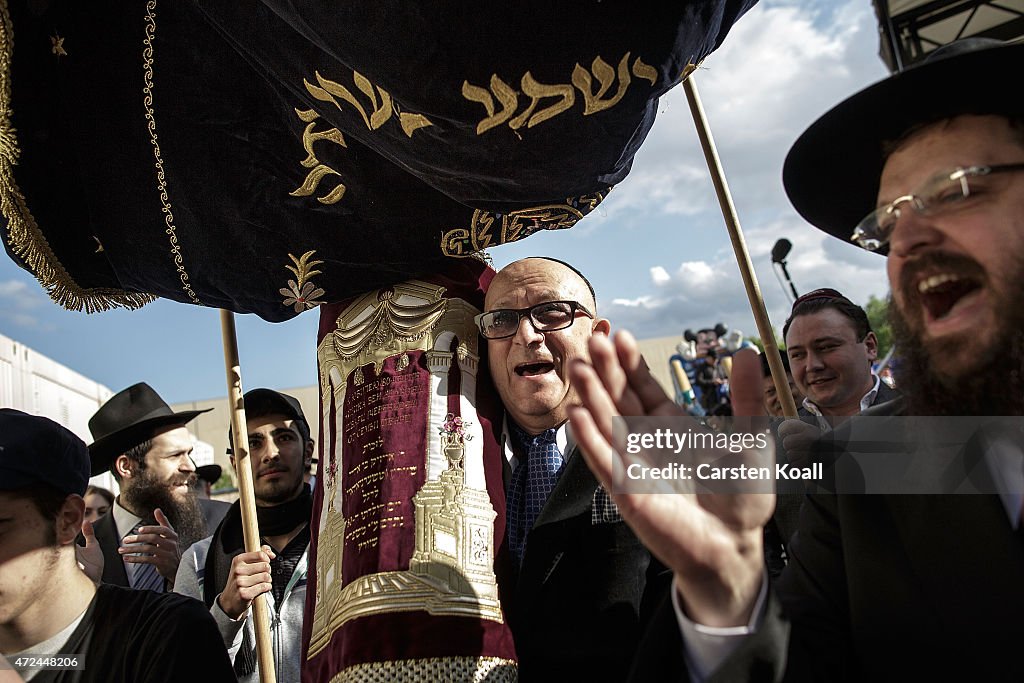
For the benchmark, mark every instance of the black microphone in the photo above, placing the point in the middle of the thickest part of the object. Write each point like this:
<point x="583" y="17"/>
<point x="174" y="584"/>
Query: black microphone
<point x="781" y="250"/>
<point x="779" y="253"/>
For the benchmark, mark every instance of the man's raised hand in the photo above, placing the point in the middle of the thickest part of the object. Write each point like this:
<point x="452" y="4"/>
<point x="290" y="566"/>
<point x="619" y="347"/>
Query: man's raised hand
<point x="712" y="542"/>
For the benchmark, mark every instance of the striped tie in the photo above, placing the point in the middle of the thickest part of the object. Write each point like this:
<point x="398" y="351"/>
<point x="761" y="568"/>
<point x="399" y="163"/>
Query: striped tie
<point x="145" y="577"/>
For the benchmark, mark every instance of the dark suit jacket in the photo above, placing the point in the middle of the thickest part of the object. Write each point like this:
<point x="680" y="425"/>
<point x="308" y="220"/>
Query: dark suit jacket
<point x="577" y="605"/>
<point x="787" y="507"/>
<point x="884" y="395"/>
<point x="882" y="587"/>
<point x="109" y="538"/>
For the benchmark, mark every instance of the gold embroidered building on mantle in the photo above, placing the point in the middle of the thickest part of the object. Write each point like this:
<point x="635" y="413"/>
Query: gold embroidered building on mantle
<point x="451" y="568"/>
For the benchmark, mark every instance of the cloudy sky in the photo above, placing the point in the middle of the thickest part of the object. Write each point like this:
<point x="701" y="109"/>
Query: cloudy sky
<point x="656" y="250"/>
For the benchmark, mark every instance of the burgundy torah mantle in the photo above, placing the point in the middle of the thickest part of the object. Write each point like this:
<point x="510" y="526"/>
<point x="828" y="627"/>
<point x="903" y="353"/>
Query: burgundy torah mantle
<point x="409" y="506"/>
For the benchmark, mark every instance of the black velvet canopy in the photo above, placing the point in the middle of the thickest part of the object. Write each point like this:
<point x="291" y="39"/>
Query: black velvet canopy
<point x="268" y="156"/>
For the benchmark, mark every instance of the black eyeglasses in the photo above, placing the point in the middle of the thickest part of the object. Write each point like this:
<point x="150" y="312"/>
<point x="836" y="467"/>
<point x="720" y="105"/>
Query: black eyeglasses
<point x="549" y="316"/>
<point x="941" y="193"/>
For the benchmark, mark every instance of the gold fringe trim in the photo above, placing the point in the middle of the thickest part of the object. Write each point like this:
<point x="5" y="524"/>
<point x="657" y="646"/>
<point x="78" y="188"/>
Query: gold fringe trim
<point x="439" y="669"/>
<point x="24" y="236"/>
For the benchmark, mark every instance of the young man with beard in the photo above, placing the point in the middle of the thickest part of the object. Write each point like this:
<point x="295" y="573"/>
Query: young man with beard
<point x="572" y="575"/>
<point x="146" y="447"/>
<point x="219" y="572"/>
<point x="928" y="165"/>
<point x="50" y="609"/>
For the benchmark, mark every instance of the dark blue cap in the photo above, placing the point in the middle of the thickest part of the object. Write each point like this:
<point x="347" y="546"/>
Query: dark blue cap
<point x="37" y="450"/>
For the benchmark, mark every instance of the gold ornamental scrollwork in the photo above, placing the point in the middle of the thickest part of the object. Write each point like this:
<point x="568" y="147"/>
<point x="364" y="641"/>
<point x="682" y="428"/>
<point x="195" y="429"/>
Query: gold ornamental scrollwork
<point x="301" y="293"/>
<point x="488" y="229"/>
<point x="388" y="330"/>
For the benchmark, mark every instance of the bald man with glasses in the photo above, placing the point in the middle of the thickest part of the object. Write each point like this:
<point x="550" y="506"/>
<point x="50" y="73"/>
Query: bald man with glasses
<point x="573" y="575"/>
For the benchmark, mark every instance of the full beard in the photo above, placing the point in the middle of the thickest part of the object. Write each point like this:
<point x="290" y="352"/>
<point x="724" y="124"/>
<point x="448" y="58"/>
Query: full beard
<point x="184" y="513"/>
<point x="989" y="381"/>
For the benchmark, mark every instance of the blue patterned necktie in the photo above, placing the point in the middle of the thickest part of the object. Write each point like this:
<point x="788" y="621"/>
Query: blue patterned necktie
<point x="531" y="485"/>
<point x="145" y="577"/>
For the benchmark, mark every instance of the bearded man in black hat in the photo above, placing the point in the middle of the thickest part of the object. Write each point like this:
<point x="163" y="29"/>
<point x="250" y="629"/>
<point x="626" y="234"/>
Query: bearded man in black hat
<point x="217" y="569"/>
<point x="928" y="167"/>
<point x="157" y="515"/>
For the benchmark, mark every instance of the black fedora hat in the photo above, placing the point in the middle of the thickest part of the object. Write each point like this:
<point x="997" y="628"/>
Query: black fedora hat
<point x="832" y="171"/>
<point x="127" y="419"/>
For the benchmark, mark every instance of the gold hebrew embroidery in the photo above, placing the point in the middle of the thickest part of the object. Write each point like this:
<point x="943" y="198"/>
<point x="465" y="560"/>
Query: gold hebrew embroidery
<point x="537" y="92"/>
<point x="382" y="107"/>
<point x="595" y="102"/>
<point x="645" y="71"/>
<point x="412" y="122"/>
<point x="582" y="79"/>
<point x="504" y="93"/>
<point x="319" y="171"/>
<point x="515" y="225"/>
<point x="57" y="43"/>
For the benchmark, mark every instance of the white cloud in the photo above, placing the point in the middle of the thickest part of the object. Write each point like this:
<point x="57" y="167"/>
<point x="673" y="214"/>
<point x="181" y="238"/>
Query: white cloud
<point x="776" y="72"/>
<point x="12" y="289"/>
<point x="656" y="248"/>
<point x="24" y="320"/>
<point x="660" y="276"/>
<point x="17" y="298"/>
<point x="702" y="293"/>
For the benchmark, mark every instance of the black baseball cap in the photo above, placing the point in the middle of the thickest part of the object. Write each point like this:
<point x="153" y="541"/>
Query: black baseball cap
<point x="209" y="473"/>
<point x="258" y="402"/>
<point x="37" y="450"/>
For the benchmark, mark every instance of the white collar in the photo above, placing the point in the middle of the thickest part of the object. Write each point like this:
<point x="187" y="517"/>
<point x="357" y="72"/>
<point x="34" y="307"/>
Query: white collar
<point x="124" y="521"/>
<point x="563" y="439"/>
<point x="865" y="401"/>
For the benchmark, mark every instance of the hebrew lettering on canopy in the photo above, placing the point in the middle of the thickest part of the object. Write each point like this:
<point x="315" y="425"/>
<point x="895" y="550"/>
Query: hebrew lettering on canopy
<point x="187" y="149"/>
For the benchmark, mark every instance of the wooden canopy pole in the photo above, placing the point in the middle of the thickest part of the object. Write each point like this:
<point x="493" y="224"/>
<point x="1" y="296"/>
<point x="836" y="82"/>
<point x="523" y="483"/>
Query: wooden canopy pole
<point x="250" y="528"/>
<point x="739" y="247"/>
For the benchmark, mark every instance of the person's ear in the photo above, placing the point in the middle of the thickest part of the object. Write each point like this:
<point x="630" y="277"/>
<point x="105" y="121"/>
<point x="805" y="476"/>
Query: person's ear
<point x="602" y="326"/>
<point x="307" y="460"/>
<point x="871" y="344"/>
<point x="124" y="467"/>
<point x="69" y="519"/>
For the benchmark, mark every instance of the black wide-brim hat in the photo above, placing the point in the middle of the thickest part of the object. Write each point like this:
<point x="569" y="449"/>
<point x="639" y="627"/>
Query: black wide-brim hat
<point x="831" y="173"/>
<point x="129" y="418"/>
